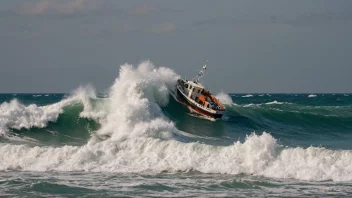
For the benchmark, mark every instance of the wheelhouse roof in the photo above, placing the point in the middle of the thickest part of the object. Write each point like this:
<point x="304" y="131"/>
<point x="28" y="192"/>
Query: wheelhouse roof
<point x="195" y="84"/>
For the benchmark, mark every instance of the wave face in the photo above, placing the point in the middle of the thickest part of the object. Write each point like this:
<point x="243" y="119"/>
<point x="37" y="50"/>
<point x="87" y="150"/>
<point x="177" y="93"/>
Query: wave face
<point x="139" y="128"/>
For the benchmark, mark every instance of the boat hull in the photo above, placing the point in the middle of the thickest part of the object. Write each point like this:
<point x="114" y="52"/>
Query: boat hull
<point x="196" y="109"/>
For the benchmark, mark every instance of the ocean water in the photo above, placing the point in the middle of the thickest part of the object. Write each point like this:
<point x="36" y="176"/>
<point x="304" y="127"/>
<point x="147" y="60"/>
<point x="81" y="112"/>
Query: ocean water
<point x="137" y="141"/>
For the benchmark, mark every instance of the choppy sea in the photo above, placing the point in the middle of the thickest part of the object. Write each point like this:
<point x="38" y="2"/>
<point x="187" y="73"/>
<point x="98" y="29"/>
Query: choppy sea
<point x="137" y="141"/>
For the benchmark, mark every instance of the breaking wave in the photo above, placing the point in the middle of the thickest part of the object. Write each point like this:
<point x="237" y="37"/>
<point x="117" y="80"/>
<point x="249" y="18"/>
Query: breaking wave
<point x="14" y="115"/>
<point x="135" y="136"/>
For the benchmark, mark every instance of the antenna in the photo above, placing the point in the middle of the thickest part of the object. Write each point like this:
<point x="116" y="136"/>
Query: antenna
<point x="201" y="73"/>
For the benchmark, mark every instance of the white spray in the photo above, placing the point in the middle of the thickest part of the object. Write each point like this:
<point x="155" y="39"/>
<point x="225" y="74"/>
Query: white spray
<point x="140" y="139"/>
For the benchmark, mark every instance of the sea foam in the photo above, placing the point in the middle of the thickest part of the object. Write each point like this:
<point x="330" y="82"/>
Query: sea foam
<point x="138" y="138"/>
<point x="224" y="98"/>
<point x="15" y="115"/>
<point x="258" y="155"/>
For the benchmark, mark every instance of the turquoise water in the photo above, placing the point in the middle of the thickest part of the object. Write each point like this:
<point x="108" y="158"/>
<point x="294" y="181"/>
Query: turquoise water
<point x="294" y="120"/>
<point x="137" y="141"/>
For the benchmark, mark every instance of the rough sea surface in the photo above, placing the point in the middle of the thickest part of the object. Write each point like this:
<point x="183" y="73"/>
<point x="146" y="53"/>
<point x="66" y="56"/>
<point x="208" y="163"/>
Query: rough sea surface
<point x="137" y="141"/>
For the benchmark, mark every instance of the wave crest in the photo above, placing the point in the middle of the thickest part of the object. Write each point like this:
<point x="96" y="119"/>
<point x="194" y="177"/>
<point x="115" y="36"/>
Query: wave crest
<point x="15" y="115"/>
<point x="259" y="155"/>
<point x="140" y="138"/>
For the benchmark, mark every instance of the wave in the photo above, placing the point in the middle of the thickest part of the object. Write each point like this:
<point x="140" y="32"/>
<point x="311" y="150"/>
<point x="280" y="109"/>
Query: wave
<point x="69" y="129"/>
<point x="224" y="98"/>
<point x="14" y="115"/>
<point x="258" y="155"/>
<point x="17" y="116"/>
<point x="274" y="102"/>
<point x="247" y="96"/>
<point x="312" y="96"/>
<point x="135" y="136"/>
<point x="283" y="114"/>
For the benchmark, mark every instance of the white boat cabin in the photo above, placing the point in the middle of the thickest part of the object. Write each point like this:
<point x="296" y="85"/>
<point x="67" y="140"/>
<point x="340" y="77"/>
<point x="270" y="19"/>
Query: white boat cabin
<point x="197" y="93"/>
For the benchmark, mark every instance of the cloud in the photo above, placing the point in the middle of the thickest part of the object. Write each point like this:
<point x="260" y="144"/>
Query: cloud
<point x="63" y="7"/>
<point x="83" y="8"/>
<point x="311" y="19"/>
<point x="142" y="9"/>
<point x="162" y="28"/>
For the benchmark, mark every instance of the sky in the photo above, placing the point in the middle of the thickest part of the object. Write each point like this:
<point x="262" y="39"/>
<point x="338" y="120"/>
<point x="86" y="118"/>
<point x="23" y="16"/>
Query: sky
<point x="269" y="46"/>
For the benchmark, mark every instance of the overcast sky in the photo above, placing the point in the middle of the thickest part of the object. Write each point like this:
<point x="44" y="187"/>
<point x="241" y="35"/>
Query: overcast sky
<point x="251" y="46"/>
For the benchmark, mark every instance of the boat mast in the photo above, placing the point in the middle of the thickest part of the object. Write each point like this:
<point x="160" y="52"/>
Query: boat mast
<point x="201" y="73"/>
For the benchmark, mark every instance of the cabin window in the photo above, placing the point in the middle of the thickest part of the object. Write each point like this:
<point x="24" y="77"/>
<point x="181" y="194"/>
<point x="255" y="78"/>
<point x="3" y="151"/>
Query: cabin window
<point x="208" y="106"/>
<point x="186" y="85"/>
<point x="190" y="87"/>
<point x="198" y="90"/>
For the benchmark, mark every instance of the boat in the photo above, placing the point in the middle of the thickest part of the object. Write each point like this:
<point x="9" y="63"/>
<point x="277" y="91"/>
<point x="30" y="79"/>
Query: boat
<point x="193" y="94"/>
